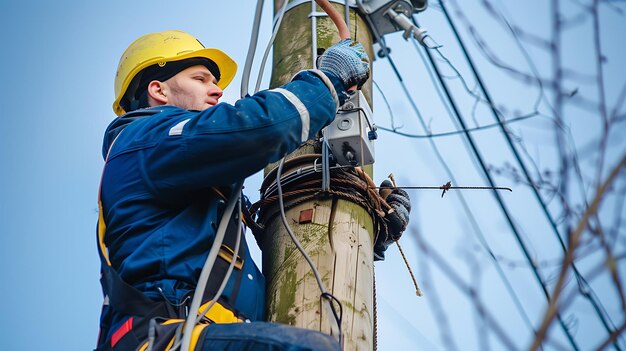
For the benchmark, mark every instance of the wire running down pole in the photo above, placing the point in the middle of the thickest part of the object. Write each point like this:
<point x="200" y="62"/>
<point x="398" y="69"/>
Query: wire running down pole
<point x="335" y="16"/>
<point x="336" y="233"/>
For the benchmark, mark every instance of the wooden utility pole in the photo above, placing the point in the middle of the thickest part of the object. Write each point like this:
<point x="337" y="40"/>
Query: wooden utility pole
<point x="339" y="235"/>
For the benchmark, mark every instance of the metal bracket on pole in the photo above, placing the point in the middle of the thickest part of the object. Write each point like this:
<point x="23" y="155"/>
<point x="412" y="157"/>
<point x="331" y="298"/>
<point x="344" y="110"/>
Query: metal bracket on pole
<point x="389" y="16"/>
<point x="318" y="14"/>
<point x="405" y="23"/>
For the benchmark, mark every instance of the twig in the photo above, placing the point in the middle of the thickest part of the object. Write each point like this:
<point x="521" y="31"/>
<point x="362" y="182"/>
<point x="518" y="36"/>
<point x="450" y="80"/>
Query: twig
<point x="612" y="338"/>
<point x="466" y="289"/>
<point x="611" y="264"/>
<point x="569" y="257"/>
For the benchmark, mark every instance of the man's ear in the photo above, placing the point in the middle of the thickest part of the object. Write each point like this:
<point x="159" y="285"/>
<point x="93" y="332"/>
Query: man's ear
<point x="157" y="92"/>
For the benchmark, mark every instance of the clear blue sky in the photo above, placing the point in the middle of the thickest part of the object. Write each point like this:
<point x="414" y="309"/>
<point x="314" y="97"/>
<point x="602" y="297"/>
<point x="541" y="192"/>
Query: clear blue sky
<point x="58" y="62"/>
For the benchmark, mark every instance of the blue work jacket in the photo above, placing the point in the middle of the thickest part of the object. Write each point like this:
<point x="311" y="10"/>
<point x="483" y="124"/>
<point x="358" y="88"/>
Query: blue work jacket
<point x="160" y="210"/>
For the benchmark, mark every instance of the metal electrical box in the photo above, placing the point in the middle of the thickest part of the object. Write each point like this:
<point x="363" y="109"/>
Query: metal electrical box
<point x="351" y="135"/>
<point x="376" y="10"/>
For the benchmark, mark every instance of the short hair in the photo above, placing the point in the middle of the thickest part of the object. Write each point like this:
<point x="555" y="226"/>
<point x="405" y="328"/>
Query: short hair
<point x="136" y="96"/>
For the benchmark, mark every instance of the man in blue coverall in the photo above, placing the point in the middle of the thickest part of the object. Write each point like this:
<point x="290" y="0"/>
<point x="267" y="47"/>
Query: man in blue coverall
<point x="172" y="159"/>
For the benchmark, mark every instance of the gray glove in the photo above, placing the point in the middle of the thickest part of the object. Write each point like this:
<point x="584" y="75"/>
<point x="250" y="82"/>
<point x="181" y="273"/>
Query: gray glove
<point x="348" y="61"/>
<point x="397" y="218"/>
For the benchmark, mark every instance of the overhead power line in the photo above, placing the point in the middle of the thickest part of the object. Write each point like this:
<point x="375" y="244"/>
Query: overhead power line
<point x="466" y="208"/>
<point x="583" y="284"/>
<point x="456" y="132"/>
<point x="499" y="200"/>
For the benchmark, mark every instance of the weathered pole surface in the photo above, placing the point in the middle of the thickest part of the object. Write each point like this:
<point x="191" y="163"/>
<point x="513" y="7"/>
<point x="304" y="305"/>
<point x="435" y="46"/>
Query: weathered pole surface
<point x="339" y="237"/>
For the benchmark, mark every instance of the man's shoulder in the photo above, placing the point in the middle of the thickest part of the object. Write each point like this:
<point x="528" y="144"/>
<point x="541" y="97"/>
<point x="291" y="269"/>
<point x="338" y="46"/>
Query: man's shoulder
<point x="143" y="127"/>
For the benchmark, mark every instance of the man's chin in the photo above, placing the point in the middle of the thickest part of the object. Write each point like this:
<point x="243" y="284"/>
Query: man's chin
<point x="203" y="107"/>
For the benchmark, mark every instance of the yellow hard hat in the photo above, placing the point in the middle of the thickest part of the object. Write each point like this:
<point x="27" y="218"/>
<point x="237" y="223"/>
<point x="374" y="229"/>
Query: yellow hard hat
<point x="160" y="48"/>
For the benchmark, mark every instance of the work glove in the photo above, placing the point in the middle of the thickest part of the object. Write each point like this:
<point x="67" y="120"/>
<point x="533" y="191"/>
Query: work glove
<point x="347" y="61"/>
<point x="397" y="219"/>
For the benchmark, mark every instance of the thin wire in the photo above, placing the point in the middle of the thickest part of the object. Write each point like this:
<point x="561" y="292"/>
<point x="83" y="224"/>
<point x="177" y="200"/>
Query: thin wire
<point x="295" y="240"/>
<point x="464" y="287"/>
<point x="464" y="83"/>
<point x="499" y="200"/>
<point x="464" y="204"/>
<point x="375" y="309"/>
<point x="581" y="280"/>
<point x="325" y="294"/>
<point x="386" y="52"/>
<point x="346" y="13"/>
<point x="208" y="265"/>
<point x="313" y="35"/>
<point x="393" y="126"/>
<point x="217" y="295"/>
<point x="229" y="271"/>
<point x="445" y="187"/>
<point x="456" y="132"/>
<point x="269" y="46"/>
<point x="254" y="38"/>
<point x="531" y="64"/>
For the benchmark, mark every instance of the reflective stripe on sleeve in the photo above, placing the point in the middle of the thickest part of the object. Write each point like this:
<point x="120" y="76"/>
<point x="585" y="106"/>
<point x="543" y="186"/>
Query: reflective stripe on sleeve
<point x="302" y="110"/>
<point x="328" y="84"/>
<point x="178" y="128"/>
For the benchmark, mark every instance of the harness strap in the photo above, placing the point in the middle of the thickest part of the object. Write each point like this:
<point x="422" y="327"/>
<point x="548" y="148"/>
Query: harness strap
<point x="225" y="257"/>
<point x="125" y="298"/>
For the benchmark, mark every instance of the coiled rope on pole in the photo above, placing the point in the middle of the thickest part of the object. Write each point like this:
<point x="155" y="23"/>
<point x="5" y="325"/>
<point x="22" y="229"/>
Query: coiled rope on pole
<point x="304" y="183"/>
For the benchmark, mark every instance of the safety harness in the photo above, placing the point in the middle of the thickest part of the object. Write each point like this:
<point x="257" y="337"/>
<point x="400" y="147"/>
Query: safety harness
<point x="158" y="323"/>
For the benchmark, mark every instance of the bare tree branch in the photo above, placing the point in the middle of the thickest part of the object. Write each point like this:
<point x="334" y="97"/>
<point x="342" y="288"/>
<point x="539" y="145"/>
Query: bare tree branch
<point x="445" y="332"/>
<point x="466" y="289"/>
<point x="610" y="3"/>
<point x="610" y="261"/>
<point x="612" y="338"/>
<point x="476" y="276"/>
<point x="573" y="97"/>
<point x="619" y="207"/>
<point x="618" y="105"/>
<point x="569" y="257"/>
<point x="593" y="273"/>
<point x="602" y="103"/>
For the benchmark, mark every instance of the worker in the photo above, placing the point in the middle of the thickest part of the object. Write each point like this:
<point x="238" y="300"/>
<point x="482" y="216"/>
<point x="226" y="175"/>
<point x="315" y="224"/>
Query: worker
<point x="172" y="159"/>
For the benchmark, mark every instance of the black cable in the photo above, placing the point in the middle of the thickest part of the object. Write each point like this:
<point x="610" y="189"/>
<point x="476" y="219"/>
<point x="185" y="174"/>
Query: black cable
<point x="464" y="204"/>
<point x="338" y="316"/>
<point x="324" y="293"/>
<point x="581" y="280"/>
<point x="436" y="135"/>
<point x="501" y="204"/>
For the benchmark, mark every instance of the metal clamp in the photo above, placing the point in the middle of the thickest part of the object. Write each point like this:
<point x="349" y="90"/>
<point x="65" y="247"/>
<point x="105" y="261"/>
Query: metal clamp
<point x="317" y="14"/>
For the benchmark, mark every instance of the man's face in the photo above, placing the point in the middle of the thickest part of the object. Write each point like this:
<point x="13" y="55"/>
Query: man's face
<point x="193" y="88"/>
